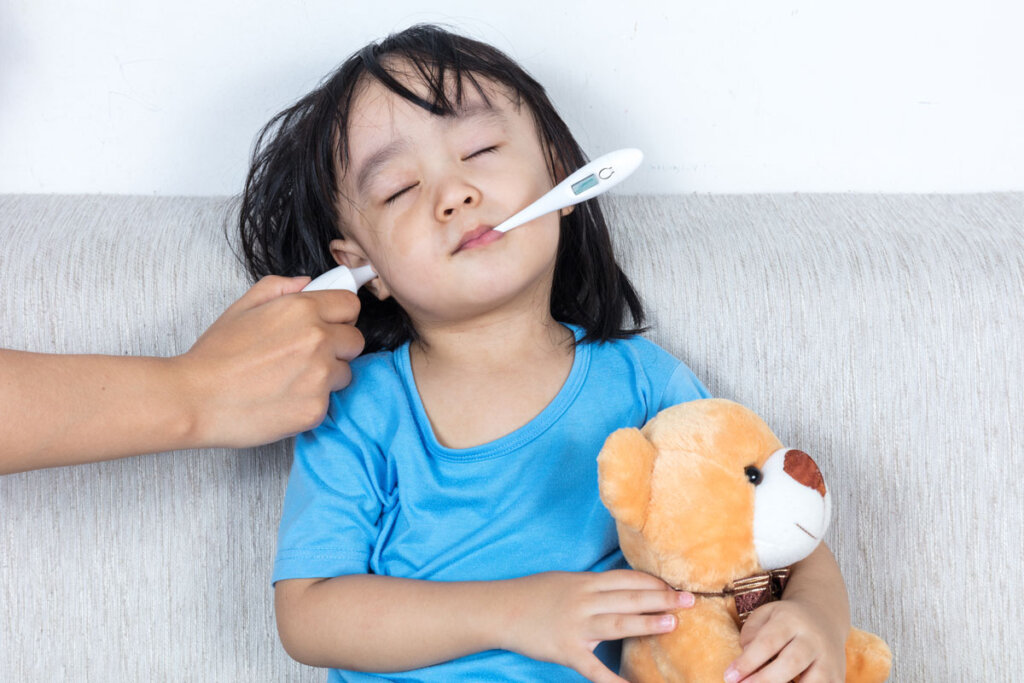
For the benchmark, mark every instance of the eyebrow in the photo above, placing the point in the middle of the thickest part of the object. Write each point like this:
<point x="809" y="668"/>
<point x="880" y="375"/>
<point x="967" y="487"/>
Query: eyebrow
<point x="372" y="166"/>
<point x="377" y="160"/>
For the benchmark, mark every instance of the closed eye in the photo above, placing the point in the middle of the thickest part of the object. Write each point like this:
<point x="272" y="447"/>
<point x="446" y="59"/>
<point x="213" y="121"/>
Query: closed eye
<point x="392" y="198"/>
<point x="485" y="150"/>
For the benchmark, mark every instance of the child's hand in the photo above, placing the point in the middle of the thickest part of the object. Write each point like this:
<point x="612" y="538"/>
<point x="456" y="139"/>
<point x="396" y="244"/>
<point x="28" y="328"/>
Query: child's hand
<point x="800" y="638"/>
<point x="562" y="616"/>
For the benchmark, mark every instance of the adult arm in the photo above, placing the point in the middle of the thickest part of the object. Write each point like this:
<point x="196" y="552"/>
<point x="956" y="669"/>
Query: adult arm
<point x="261" y="372"/>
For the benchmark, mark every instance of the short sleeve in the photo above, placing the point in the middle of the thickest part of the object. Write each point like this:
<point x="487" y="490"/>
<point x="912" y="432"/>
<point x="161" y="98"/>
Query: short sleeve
<point x="667" y="380"/>
<point x="334" y="500"/>
<point x="682" y="386"/>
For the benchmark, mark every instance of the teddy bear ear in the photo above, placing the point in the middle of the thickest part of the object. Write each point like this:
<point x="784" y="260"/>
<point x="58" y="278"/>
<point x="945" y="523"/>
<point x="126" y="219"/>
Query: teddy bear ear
<point x="624" y="469"/>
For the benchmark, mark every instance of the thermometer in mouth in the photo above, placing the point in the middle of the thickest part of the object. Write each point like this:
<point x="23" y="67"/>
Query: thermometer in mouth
<point x="596" y="177"/>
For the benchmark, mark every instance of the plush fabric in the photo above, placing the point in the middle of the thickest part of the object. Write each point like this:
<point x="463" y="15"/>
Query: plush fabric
<point x="883" y="333"/>
<point x="720" y="490"/>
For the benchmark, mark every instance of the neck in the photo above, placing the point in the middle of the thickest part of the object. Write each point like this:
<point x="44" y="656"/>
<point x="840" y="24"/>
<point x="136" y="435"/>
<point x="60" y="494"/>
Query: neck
<point x="483" y="376"/>
<point x="518" y="331"/>
<point x="491" y="343"/>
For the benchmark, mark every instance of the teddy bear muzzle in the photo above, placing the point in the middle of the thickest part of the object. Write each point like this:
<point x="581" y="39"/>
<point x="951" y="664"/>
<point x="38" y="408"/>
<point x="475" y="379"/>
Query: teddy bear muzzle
<point x="792" y="509"/>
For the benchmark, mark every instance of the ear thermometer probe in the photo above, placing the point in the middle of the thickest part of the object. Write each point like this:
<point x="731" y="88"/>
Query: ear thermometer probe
<point x="342" y="277"/>
<point x="597" y="177"/>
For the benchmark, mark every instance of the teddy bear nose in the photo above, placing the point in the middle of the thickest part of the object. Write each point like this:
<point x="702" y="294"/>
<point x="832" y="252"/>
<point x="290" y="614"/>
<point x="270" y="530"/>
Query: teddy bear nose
<point x="801" y="467"/>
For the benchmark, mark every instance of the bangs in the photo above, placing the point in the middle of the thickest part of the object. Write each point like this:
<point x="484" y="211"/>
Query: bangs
<point x="444" y="69"/>
<point x="444" y="80"/>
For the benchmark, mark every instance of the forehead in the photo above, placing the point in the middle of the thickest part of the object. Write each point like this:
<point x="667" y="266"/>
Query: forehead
<point x="377" y="110"/>
<point x="377" y="114"/>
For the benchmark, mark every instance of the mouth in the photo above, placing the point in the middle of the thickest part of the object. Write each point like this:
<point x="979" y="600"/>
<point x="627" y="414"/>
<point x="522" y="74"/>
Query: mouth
<point x="478" y="237"/>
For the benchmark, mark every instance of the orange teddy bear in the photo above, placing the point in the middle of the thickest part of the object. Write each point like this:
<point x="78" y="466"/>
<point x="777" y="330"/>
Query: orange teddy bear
<point x="707" y="498"/>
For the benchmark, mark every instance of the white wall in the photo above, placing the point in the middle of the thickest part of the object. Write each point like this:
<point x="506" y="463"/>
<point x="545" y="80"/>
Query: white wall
<point x="122" y="96"/>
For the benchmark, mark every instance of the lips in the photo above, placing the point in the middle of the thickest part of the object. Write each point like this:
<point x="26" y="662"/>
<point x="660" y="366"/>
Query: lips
<point x="477" y="237"/>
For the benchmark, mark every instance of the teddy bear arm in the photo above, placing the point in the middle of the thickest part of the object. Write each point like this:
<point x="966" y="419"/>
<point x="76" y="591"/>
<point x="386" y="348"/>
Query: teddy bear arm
<point x="707" y="641"/>
<point x="700" y="649"/>
<point x="638" y="662"/>
<point x="868" y="658"/>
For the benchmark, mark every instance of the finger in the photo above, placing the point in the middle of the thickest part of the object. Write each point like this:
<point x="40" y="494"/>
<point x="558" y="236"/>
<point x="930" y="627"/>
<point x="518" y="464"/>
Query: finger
<point x="593" y="669"/>
<point x="787" y="666"/>
<point x="626" y="579"/>
<point x="641" y="601"/>
<point x="817" y="673"/>
<point x="341" y="376"/>
<point x="617" y="626"/>
<point x="768" y="643"/>
<point x="269" y="288"/>
<point x="346" y="341"/>
<point x="336" y="305"/>
<point x="755" y="622"/>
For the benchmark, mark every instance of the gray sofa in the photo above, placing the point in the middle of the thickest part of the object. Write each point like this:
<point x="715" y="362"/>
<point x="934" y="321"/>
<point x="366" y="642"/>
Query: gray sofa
<point x="883" y="334"/>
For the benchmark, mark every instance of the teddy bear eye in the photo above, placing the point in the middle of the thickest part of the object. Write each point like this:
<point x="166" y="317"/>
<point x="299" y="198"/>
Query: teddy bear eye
<point x="754" y="475"/>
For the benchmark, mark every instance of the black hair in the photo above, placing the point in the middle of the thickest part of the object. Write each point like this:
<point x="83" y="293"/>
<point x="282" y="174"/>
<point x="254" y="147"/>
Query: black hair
<point x="288" y="211"/>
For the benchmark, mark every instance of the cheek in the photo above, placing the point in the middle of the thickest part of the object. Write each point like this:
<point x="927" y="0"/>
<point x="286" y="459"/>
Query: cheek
<point x="409" y="272"/>
<point x="396" y="248"/>
<point x="547" y="238"/>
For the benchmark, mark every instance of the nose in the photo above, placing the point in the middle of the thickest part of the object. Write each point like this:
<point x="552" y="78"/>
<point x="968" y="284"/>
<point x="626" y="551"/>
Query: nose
<point x="801" y="467"/>
<point x="455" y="196"/>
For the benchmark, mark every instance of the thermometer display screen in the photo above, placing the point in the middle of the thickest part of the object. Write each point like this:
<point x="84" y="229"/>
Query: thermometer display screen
<point x="582" y="186"/>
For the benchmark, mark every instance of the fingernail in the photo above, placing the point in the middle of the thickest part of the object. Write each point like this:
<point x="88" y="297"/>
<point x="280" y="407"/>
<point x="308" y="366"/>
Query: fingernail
<point x="668" y="622"/>
<point x="686" y="599"/>
<point x="732" y="675"/>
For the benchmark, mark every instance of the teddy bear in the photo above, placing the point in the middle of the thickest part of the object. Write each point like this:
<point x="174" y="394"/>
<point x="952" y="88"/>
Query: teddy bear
<point x="707" y="498"/>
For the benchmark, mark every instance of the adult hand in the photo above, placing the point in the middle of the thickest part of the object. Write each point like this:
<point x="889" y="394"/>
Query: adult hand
<point x="265" y="369"/>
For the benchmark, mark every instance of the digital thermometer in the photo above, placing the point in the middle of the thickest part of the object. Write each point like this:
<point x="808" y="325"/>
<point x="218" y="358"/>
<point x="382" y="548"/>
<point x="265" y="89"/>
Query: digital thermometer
<point x="597" y="177"/>
<point x="342" y="277"/>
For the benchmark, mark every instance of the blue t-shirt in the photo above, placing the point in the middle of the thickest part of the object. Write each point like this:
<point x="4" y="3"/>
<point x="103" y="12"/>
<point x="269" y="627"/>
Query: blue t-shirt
<point x="373" y="491"/>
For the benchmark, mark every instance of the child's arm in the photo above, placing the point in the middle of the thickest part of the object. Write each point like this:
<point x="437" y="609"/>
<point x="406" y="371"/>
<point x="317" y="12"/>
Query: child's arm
<point x="382" y="624"/>
<point x="807" y="629"/>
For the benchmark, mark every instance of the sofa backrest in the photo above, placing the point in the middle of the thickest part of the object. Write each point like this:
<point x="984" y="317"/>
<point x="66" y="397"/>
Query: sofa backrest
<point x="880" y="333"/>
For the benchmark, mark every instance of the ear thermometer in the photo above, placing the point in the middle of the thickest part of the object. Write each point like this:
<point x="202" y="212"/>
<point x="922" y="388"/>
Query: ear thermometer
<point x="596" y="177"/>
<point x="342" y="277"/>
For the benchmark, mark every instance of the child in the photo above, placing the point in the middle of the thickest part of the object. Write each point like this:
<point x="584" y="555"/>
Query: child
<point x="443" y="522"/>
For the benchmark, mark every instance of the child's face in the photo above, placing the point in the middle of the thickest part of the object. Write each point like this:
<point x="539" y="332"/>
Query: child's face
<point x="420" y="187"/>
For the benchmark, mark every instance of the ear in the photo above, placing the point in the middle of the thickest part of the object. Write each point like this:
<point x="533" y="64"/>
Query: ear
<point x="348" y="253"/>
<point x="560" y="175"/>
<point x="624" y="469"/>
